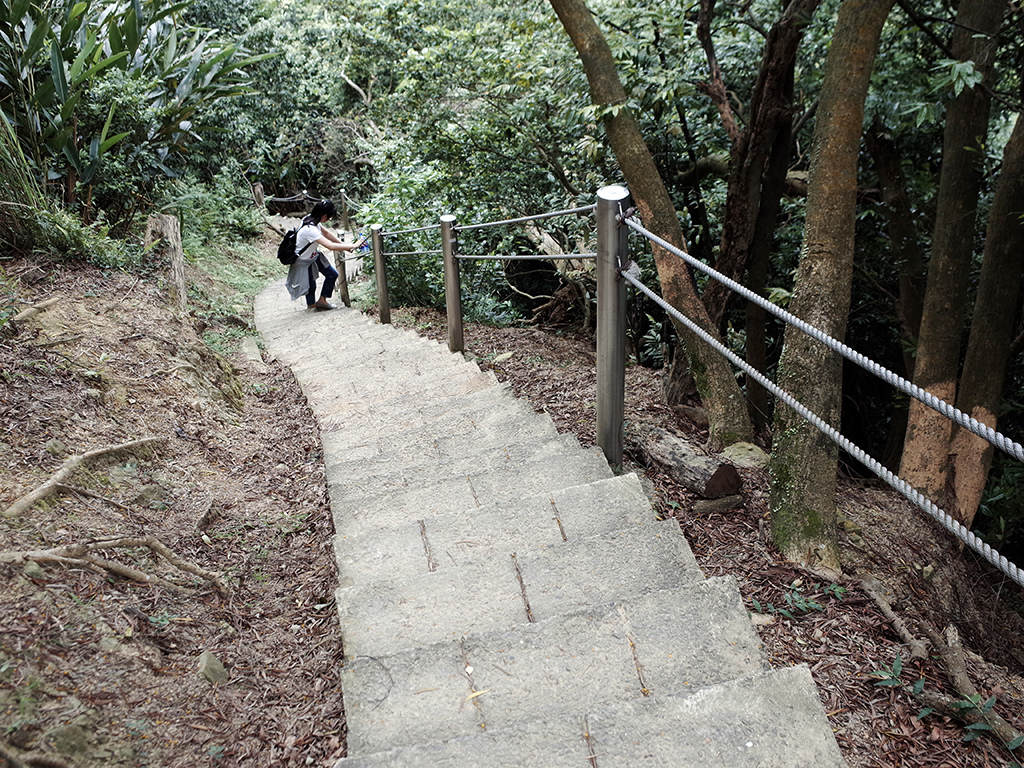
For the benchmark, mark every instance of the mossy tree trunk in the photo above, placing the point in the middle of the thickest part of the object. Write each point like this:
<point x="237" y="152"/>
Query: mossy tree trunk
<point x="712" y="374"/>
<point x="804" y="462"/>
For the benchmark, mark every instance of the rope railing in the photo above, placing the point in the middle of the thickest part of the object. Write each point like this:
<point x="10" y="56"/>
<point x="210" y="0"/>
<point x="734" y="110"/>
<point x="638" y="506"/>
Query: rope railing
<point x="612" y="258"/>
<point x="921" y="395"/>
<point x="451" y="258"/>
<point x="412" y="253"/>
<point x="957" y="529"/>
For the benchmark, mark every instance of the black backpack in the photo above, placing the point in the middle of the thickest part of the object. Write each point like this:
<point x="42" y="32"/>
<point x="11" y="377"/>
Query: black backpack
<point x="286" y="250"/>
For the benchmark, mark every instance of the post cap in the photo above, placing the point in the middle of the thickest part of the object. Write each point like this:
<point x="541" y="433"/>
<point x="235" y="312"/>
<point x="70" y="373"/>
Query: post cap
<point x="613" y="193"/>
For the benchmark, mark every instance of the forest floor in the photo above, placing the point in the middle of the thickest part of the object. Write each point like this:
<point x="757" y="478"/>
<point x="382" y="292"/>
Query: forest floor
<point x="102" y="639"/>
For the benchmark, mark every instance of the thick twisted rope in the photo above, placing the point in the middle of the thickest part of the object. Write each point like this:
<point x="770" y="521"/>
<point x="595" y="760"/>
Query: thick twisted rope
<point x="957" y="416"/>
<point x="632" y="275"/>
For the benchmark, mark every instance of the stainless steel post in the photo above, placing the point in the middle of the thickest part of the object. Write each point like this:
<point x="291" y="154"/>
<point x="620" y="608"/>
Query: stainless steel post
<point x="380" y="270"/>
<point x="612" y="251"/>
<point x="452" y="286"/>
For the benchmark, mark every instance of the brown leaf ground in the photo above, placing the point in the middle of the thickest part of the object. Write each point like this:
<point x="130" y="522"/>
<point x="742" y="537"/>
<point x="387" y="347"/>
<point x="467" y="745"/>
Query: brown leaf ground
<point x="96" y="670"/>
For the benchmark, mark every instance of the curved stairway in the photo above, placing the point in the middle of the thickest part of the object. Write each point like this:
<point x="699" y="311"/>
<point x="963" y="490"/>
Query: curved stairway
<point x="504" y="598"/>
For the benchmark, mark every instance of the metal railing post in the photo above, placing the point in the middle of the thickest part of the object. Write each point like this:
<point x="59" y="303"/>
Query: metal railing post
<point x="345" y="223"/>
<point x="452" y="286"/>
<point x="379" y="269"/>
<point x="612" y="251"/>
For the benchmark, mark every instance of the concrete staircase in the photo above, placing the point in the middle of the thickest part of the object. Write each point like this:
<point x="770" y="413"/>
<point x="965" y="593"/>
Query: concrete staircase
<point x="504" y="599"/>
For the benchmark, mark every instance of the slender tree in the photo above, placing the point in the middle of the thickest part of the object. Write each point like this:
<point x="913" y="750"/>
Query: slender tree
<point x="712" y="374"/>
<point x="804" y="462"/>
<point x="996" y="314"/>
<point x="925" y="458"/>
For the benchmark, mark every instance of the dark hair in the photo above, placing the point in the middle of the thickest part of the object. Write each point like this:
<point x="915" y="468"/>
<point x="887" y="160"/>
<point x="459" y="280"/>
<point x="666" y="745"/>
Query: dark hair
<point x="321" y="209"/>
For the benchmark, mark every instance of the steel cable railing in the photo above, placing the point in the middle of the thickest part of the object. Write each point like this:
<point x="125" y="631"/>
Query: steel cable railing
<point x="525" y="257"/>
<point x="927" y="398"/>
<point x="524" y="219"/>
<point x="632" y="274"/>
<point x="386" y="233"/>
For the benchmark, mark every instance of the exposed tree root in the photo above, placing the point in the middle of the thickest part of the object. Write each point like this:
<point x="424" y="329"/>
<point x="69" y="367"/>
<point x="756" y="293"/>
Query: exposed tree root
<point x="30" y="759"/>
<point x="82" y="555"/>
<point x="68" y="468"/>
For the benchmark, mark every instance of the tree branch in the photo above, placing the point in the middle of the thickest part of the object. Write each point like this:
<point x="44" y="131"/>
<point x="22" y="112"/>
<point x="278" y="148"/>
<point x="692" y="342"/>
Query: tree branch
<point x="81" y="554"/>
<point x="69" y="466"/>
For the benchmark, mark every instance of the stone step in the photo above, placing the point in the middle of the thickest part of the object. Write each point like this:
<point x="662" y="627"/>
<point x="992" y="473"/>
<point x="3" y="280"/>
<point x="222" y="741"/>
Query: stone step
<point x="770" y="719"/>
<point x="368" y="353"/>
<point x="344" y="398"/>
<point x="478" y="452"/>
<point x="391" y="614"/>
<point x="662" y="643"/>
<point x="441" y="542"/>
<point x="420" y="422"/>
<point x="357" y="507"/>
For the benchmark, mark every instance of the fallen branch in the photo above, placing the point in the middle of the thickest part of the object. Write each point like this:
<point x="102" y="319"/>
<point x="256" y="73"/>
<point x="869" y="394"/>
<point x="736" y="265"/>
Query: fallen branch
<point x="82" y="554"/>
<point x="918" y="648"/>
<point x="68" y="468"/>
<point x="951" y="654"/>
<point x="34" y="310"/>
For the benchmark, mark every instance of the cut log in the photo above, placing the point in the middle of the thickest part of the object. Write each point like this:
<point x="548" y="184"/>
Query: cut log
<point x="696" y="471"/>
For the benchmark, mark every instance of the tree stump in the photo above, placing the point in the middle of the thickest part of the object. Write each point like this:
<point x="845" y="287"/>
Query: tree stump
<point x="164" y="235"/>
<point x="704" y="475"/>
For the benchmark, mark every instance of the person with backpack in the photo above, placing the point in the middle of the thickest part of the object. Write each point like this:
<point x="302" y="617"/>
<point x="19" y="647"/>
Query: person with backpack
<point x="310" y="263"/>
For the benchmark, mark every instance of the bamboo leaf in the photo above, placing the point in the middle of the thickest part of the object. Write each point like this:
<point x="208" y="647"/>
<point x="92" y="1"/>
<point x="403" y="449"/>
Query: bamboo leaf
<point x="171" y="50"/>
<point x="100" y="66"/>
<point x="104" y="146"/>
<point x="60" y="80"/>
<point x="18" y="9"/>
<point x="106" y="125"/>
<point x="132" y="32"/>
<point x="35" y="42"/>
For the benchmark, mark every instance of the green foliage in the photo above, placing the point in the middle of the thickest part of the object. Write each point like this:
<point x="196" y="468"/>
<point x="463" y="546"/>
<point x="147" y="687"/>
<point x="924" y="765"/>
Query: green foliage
<point x="56" y="61"/>
<point x="212" y="213"/>
<point x="1001" y="512"/>
<point x="799" y="602"/>
<point x="889" y="677"/>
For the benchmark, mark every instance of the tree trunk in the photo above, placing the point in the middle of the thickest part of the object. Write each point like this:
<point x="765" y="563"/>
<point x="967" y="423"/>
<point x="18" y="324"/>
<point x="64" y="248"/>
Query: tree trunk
<point x="705" y="475"/>
<point x="995" y="321"/>
<point x="773" y="186"/>
<point x="803" y="464"/>
<point x="925" y="458"/>
<point x="713" y="376"/>
<point x="902" y="233"/>
<point x="163" y="236"/>
<point x="770" y="112"/>
<point x="907" y="254"/>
